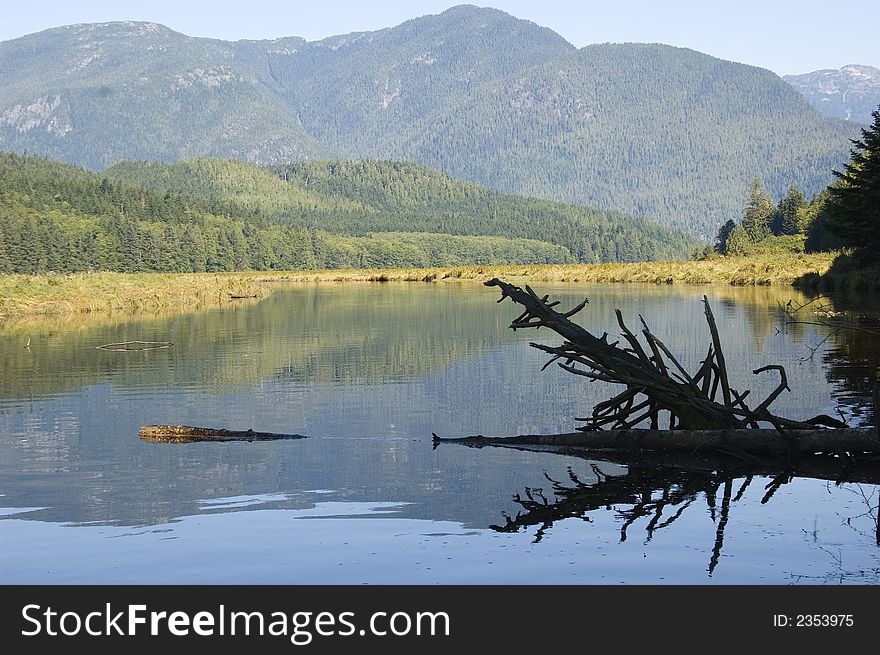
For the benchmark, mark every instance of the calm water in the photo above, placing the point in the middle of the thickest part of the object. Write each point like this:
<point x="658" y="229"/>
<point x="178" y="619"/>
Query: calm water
<point x="369" y="372"/>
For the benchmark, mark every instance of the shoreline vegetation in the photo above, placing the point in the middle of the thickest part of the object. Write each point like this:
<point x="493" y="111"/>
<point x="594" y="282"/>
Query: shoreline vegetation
<point x="31" y="296"/>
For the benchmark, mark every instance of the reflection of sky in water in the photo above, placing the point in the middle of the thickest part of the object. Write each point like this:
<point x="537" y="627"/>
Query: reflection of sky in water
<point x="369" y="372"/>
<point x="809" y="534"/>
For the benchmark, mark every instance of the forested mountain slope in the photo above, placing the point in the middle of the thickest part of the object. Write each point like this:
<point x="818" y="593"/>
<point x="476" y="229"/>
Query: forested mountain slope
<point x="222" y="215"/>
<point x="357" y="197"/>
<point x="654" y="131"/>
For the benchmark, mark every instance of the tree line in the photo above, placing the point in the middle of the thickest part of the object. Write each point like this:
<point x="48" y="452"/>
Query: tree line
<point x="220" y="215"/>
<point x="59" y="218"/>
<point x="846" y="214"/>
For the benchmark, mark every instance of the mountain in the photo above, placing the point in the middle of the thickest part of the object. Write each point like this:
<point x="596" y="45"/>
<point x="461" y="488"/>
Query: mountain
<point x="850" y="93"/>
<point x="368" y="94"/>
<point x="648" y="130"/>
<point x="96" y="94"/>
<point x="223" y="215"/>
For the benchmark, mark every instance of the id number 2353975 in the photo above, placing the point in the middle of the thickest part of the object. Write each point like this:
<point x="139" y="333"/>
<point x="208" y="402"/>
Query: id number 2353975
<point x="813" y="621"/>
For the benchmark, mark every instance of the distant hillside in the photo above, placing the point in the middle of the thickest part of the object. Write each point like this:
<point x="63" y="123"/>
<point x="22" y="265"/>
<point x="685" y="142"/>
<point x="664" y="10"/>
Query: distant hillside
<point x="850" y="93"/>
<point x="653" y="131"/>
<point x="220" y="215"/>
<point x="647" y="129"/>
<point x="357" y="198"/>
<point x="370" y="94"/>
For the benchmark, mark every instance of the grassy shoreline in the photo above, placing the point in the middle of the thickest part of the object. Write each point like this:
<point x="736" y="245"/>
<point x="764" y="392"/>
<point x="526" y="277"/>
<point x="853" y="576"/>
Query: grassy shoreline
<point x="743" y="271"/>
<point x="81" y="293"/>
<point x="85" y="293"/>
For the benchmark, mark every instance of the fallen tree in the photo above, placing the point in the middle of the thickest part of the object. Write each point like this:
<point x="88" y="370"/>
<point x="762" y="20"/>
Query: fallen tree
<point x="190" y="434"/>
<point x="732" y="441"/>
<point x="700" y="411"/>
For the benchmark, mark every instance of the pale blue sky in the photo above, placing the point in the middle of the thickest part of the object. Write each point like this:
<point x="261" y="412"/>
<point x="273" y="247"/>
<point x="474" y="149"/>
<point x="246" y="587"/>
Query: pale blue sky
<point x="785" y="36"/>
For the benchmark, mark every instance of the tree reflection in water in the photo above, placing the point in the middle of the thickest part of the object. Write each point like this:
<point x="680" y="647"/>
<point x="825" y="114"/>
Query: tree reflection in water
<point x="850" y="349"/>
<point x="662" y="489"/>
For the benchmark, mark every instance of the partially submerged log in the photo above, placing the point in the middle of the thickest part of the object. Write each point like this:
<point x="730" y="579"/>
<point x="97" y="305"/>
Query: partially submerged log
<point x="842" y="441"/>
<point x="131" y="346"/>
<point x="190" y="434"/>
<point x="659" y="485"/>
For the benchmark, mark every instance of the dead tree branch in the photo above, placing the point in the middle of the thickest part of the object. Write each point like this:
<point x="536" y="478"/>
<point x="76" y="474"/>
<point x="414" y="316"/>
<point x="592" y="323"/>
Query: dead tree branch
<point x="655" y="380"/>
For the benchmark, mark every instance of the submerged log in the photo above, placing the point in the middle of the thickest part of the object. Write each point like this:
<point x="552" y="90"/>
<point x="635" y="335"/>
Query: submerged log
<point x="190" y="434"/>
<point x="729" y="441"/>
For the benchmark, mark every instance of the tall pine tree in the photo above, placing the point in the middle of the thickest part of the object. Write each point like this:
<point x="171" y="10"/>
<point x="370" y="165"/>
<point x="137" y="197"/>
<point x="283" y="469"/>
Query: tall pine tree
<point x="723" y="235"/>
<point x="758" y="212"/>
<point x="853" y="210"/>
<point x="785" y="219"/>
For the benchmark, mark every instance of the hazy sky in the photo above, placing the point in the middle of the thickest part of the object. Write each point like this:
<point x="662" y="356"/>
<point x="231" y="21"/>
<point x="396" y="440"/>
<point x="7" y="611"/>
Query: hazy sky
<point x="785" y="36"/>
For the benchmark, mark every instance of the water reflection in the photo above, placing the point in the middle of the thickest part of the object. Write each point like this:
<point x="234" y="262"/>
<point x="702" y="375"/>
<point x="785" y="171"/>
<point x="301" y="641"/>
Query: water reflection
<point x="850" y="350"/>
<point x="657" y="489"/>
<point x="853" y="365"/>
<point x="368" y="372"/>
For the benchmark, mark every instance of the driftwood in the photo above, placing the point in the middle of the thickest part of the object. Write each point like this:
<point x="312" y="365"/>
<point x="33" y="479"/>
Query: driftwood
<point x="716" y="444"/>
<point x="735" y="442"/>
<point x="190" y="434"/>
<point x="656" y="382"/>
<point x="130" y="346"/>
<point x="654" y="379"/>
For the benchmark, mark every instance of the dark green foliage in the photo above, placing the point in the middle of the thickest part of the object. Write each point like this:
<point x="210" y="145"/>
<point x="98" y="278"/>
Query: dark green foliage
<point x="758" y="212"/>
<point x="739" y="242"/>
<point x="813" y="222"/>
<point x="212" y="215"/>
<point x="819" y="239"/>
<point x="723" y="236"/>
<point x="786" y="219"/>
<point x="853" y="208"/>
<point x="650" y="130"/>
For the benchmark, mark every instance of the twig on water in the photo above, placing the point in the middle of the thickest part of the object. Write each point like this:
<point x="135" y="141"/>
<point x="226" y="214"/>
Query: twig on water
<point x="126" y="346"/>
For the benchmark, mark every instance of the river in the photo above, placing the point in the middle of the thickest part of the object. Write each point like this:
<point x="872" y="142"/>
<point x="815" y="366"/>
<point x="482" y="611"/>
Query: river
<point x="369" y="372"/>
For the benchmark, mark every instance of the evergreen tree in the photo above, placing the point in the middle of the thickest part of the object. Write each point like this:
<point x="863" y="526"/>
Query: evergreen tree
<point x="785" y="218"/>
<point x="739" y="242"/>
<point x="757" y="212"/>
<point x="723" y="235"/>
<point x="5" y="262"/>
<point x="853" y="210"/>
<point x="808" y="213"/>
<point x="819" y="239"/>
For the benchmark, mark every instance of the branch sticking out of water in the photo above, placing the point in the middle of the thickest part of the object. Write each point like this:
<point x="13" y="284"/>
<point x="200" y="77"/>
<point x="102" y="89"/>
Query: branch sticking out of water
<point x="655" y="380"/>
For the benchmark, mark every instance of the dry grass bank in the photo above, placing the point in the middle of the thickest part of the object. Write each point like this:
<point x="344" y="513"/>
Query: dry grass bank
<point x="40" y="295"/>
<point x="762" y="270"/>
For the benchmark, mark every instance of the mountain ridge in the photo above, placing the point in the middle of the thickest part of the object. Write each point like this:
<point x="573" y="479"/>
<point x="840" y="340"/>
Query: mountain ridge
<point x="472" y="91"/>
<point x="851" y="92"/>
